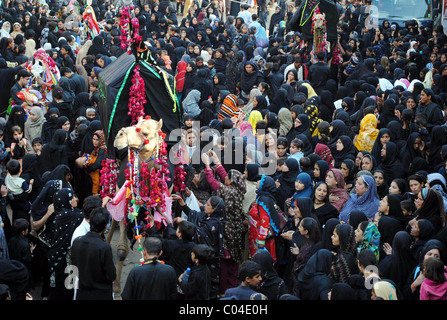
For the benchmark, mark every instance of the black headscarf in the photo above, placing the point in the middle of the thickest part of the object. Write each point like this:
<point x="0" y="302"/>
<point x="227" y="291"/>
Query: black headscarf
<point x="87" y="143"/>
<point x="249" y="80"/>
<point x="356" y="217"/>
<point x="271" y="282"/>
<point x="348" y="151"/>
<point x="342" y="291"/>
<point x="339" y="128"/>
<point x="398" y="266"/>
<point x="16" y="118"/>
<point x="287" y="181"/>
<point x="391" y="165"/>
<point x="324" y="167"/>
<point x="313" y="280"/>
<point x="377" y="147"/>
<point x="253" y="172"/>
<point x="98" y="47"/>
<point x="328" y="230"/>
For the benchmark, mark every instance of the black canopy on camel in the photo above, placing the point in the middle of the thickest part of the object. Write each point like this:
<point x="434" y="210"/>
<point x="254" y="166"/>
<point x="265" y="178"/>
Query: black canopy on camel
<point x="114" y="93"/>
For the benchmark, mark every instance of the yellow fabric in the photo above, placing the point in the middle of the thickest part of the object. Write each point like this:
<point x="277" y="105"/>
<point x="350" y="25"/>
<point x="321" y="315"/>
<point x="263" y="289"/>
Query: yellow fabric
<point x="368" y="133"/>
<point x="385" y="290"/>
<point x="312" y="112"/>
<point x="310" y="91"/>
<point x="254" y="117"/>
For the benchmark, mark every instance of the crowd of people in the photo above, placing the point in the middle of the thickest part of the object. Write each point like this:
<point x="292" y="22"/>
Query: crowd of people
<point x="355" y="208"/>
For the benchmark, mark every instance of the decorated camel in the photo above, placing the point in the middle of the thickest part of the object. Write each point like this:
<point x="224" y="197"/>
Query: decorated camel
<point x="136" y="187"/>
<point x="143" y="199"/>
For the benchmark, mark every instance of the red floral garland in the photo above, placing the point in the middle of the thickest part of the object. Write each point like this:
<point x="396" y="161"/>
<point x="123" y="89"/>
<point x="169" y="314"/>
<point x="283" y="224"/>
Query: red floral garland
<point x="108" y="178"/>
<point x="128" y="37"/>
<point x="137" y="97"/>
<point x="158" y="177"/>
<point x="179" y="178"/>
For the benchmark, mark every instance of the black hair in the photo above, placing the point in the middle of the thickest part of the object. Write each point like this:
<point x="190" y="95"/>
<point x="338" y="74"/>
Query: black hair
<point x="402" y="184"/>
<point x="152" y="245"/>
<point x="366" y="257"/>
<point x="305" y="163"/>
<point x="320" y="55"/>
<point x="282" y="141"/>
<point x="23" y="74"/>
<point x="261" y="125"/>
<point x="313" y="228"/>
<point x="363" y="225"/>
<point x="36" y="141"/>
<point x="20" y="225"/>
<point x="187" y="229"/>
<point x="99" y="219"/>
<point x="13" y="167"/>
<point x="203" y="253"/>
<point x="434" y="269"/>
<point x="65" y="70"/>
<point x="67" y="48"/>
<point x="90" y="203"/>
<point x="249" y="269"/>
<point x="58" y="92"/>
<point x="297" y="143"/>
<point x="408" y="205"/>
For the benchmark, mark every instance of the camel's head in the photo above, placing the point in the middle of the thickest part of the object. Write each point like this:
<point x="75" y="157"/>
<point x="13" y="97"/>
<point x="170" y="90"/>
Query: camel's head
<point x="142" y="136"/>
<point x="319" y="20"/>
<point x="121" y="139"/>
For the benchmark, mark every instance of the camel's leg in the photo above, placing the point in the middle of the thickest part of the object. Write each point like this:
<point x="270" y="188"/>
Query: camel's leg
<point x="110" y="234"/>
<point x="122" y="252"/>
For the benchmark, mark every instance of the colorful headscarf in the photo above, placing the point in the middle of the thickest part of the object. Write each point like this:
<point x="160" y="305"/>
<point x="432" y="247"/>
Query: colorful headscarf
<point x="371" y="239"/>
<point x="385" y="290"/>
<point x="368" y="133"/>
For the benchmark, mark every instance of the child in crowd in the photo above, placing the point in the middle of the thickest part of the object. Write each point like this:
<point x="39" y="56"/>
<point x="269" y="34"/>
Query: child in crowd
<point x="19" y="190"/>
<point x="296" y="147"/>
<point x="18" y="144"/>
<point x="434" y="286"/>
<point x="19" y="247"/>
<point x="197" y="287"/>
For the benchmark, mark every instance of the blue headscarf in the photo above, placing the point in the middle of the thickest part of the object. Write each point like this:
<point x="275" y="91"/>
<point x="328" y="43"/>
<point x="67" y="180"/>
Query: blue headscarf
<point x="307" y="191"/>
<point x="368" y="203"/>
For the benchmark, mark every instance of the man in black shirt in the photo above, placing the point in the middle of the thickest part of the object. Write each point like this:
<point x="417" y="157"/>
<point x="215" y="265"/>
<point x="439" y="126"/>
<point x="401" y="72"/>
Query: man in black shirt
<point x="153" y="280"/>
<point x="319" y="73"/>
<point x="23" y="77"/>
<point x="93" y="257"/>
<point x="78" y="83"/>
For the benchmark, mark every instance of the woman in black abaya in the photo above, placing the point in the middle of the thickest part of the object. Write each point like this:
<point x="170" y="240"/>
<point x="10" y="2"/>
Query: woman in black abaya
<point x="54" y="153"/>
<point x="272" y="285"/>
<point x="400" y="263"/>
<point x="314" y="282"/>
<point x="345" y="263"/>
<point x="286" y="181"/>
<point x="50" y="126"/>
<point x="391" y="165"/>
<point x="16" y="118"/>
<point x="67" y="218"/>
